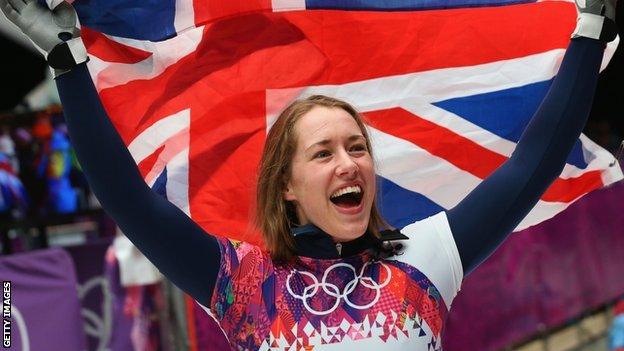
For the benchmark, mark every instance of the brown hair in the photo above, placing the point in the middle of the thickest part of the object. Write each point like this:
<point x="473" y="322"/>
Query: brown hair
<point x="274" y="214"/>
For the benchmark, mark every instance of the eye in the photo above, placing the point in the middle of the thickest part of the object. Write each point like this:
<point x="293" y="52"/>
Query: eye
<point x="322" y="154"/>
<point x="359" y="147"/>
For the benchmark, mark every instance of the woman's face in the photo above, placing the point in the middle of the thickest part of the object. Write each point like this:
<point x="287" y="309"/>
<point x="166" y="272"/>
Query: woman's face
<point x="332" y="181"/>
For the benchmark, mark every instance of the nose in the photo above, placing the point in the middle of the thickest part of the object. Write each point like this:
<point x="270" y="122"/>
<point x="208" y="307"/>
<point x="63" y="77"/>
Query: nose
<point x="347" y="167"/>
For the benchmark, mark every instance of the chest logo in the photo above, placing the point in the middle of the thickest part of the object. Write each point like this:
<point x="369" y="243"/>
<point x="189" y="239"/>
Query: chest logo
<point x="333" y="291"/>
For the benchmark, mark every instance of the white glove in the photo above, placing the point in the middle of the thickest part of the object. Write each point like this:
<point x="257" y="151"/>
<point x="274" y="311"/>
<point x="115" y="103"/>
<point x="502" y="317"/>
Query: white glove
<point x="55" y="33"/>
<point x="596" y="19"/>
<point x="52" y="4"/>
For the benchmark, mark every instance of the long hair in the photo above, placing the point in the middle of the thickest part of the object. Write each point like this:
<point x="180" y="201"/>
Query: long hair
<point x="275" y="215"/>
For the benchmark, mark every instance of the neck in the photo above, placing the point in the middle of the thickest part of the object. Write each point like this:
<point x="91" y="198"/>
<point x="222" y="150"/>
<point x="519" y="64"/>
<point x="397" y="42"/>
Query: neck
<point x="313" y="242"/>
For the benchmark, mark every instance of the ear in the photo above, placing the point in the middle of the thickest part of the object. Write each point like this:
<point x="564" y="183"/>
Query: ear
<point x="289" y="194"/>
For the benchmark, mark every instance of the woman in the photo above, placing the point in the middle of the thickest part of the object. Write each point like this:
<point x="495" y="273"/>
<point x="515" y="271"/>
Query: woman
<point x="332" y="278"/>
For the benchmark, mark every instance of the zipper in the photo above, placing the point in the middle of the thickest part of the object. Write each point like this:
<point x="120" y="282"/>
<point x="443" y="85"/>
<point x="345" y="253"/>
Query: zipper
<point x="339" y="248"/>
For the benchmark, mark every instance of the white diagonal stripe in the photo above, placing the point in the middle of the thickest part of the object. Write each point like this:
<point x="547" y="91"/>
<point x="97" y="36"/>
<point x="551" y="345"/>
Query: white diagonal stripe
<point x="158" y="133"/>
<point x="173" y="129"/>
<point x="164" y="54"/>
<point x="416" y="91"/>
<point x="415" y="169"/>
<point x="446" y="83"/>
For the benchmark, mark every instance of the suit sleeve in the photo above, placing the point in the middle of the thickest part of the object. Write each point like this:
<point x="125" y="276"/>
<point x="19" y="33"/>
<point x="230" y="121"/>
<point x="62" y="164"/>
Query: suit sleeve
<point x="482" y="221"/>
<point x="177" y="246"/>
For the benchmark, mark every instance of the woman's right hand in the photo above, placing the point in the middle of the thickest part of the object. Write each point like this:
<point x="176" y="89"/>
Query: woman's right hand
<point x="55" y="33"/>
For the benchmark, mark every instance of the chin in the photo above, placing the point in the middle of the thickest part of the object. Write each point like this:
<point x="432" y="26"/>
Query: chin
<point x="350" y="232"/>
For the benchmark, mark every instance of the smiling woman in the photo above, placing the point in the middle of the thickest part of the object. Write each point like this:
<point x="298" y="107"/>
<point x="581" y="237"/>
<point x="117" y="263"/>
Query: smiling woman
<point x="315" y="156"/>
<point x="333" y="277"/>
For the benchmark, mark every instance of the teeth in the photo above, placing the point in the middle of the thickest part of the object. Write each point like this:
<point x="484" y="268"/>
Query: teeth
<point x="350" y="189"/>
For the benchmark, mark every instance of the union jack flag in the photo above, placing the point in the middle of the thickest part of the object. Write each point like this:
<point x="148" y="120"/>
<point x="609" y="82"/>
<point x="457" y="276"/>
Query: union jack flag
<point x="193" y="87"/>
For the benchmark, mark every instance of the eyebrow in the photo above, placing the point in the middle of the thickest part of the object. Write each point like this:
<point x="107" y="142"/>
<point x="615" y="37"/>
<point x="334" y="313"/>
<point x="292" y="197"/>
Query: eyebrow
<point x="327" y="141"/>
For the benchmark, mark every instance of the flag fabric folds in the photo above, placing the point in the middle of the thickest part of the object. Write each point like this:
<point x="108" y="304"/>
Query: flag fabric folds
<point x="448" y="87"/>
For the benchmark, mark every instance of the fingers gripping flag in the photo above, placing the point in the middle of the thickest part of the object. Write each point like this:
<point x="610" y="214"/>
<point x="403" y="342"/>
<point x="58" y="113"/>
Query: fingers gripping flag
<point x="193" y="87"/>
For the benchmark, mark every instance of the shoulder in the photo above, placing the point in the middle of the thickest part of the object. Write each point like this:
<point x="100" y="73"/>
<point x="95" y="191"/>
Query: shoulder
<point x="237" y="254"/>
<point x="432" y="250"/>
<point x="436" y="224"/>
<point x="238" y="250"/>
<point x="244" y="267"/>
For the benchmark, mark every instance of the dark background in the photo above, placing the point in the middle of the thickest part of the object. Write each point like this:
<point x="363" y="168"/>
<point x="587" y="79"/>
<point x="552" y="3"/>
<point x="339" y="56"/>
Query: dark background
<point x="606" y="123"/>
<point x="21" y="70"/>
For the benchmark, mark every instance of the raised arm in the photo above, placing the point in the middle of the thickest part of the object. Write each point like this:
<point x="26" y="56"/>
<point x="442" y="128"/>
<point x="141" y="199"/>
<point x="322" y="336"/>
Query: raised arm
<point x="180" y="249"/>
<point x="482" y="221"/>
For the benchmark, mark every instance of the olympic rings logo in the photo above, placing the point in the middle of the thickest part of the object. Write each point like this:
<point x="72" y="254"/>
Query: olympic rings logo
<point x="333" y="291"/>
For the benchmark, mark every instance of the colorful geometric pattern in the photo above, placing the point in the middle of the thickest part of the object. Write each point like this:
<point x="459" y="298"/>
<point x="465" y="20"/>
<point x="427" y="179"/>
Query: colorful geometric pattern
<point x="313" y="304"/>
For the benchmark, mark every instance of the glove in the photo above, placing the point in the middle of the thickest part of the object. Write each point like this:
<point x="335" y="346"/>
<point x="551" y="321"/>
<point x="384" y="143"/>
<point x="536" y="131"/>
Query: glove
<point x="55" y="33"/>
<point x="596" y="20"/>
<point x="52" y="4"/>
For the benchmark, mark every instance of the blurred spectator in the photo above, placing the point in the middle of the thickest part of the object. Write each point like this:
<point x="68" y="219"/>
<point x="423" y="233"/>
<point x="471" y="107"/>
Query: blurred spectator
<point x="616" y="332"/>
<point x="27" y="150"/>
<point x="55" y="166"/>
<point x="7" y="147"/>
<point x="39" y="147"/>
<point x="13" y="199"/>
<point x="42" y="128"/>
<point x="139" y="301"/>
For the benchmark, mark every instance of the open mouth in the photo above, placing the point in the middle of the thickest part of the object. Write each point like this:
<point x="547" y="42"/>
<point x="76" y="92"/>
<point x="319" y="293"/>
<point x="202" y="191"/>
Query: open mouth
<point x="348" y="198"/>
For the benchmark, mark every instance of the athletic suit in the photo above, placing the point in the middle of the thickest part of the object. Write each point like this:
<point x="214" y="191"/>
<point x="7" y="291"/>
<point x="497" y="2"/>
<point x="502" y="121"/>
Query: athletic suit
<point x="358" y="302"/>
<point x="258" y="303"/>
